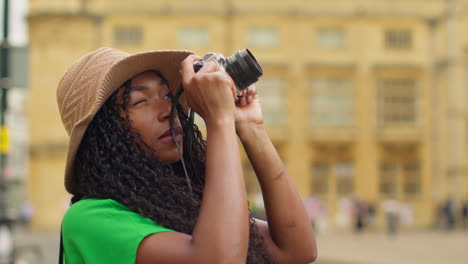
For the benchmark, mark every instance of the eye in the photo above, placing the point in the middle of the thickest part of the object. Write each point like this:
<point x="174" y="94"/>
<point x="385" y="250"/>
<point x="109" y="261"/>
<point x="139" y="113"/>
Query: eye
<point x="167" y="97"/>
<point x="139" y="101"/>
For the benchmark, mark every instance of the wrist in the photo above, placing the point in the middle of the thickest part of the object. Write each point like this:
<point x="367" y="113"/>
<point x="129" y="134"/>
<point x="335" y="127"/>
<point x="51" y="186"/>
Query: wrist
<point x="250" y="130"/>
<point x="219" y="122"/>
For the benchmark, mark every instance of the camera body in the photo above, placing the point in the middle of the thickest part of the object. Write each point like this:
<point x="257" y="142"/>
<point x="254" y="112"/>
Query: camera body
<point x="215" y="57"/>
<point x="241" y="66"/>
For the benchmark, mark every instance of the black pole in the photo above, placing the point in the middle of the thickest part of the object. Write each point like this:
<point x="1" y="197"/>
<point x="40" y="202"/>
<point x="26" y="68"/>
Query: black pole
<point x="6" y="249"/>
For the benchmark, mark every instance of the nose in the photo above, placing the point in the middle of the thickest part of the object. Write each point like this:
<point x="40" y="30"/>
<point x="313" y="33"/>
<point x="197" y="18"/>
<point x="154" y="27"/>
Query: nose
<point x="164" y="110"/>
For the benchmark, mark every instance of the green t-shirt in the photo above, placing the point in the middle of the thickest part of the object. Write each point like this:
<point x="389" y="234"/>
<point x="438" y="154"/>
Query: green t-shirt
<point x="97" y="231"/>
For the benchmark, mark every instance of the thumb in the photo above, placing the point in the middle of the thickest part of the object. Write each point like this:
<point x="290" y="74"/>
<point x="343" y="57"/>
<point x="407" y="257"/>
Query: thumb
<point x="234" y="91"/>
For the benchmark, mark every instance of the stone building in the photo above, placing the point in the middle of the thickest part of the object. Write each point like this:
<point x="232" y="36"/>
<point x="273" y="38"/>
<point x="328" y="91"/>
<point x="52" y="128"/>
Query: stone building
<point x="362" y="98"/>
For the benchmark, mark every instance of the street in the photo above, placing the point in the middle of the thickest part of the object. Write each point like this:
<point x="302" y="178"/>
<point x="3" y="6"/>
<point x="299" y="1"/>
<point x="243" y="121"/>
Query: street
<point x="411" y="247"/>
<point x="428" y="247"/>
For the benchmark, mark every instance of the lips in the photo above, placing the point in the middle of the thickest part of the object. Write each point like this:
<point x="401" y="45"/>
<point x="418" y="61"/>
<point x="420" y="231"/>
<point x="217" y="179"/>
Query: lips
<point x="167" y="136"/>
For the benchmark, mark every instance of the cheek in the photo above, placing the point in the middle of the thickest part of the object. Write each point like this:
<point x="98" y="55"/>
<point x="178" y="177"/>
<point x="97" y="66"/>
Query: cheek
<point x="146" y="127"/>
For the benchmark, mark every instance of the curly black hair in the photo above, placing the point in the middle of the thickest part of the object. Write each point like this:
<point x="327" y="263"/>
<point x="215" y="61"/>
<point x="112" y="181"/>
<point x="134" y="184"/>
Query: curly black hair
<point x="111" y="165"/>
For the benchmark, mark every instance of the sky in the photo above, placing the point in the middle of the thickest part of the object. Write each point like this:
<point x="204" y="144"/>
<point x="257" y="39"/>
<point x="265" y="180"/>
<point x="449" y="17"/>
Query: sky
<point x="18" y="26"/>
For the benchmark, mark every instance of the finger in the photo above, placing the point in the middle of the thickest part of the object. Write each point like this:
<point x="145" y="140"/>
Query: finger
<point x="249" y="99"/>
<point x="252" y="93"/>
<point x="241" y="93"/>
<point x="209" y="67"/>
<point x="233" y="90"/>
<point x="252" y="89"/>
<point x="239" y="96"/>
<point x="243" y="100"/>
<point x="186" y="68"/>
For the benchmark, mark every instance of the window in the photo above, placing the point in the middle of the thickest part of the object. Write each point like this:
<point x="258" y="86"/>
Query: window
<point x="330" y="38"/>
<point x="344" y="177"/>
<point x="263" y="37"/>
<point x="388" y="178"/>
<point x="194" y="37"/>
<point x="128" y="35"/>
<point x="272" y="95"/>
<point x="397" y="101"/>
<point x="398" y="39"/>
<point x="331" y="102"/>
<point x="400" y="172"/>
<point x="320" y="173"/>
<point x="411" y="179"/>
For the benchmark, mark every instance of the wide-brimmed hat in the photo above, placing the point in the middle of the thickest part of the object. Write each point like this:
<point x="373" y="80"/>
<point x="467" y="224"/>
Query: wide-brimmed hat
<point x="91" y="80"/>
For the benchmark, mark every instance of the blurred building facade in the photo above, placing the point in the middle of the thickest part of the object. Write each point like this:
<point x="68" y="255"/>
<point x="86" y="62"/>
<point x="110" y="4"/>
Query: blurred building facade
<point x="362" y="98"/>
<point x="16" y="170"/>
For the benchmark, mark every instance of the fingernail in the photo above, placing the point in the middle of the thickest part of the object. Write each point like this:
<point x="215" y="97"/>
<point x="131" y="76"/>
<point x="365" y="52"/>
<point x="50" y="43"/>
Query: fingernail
<point x="250" y="98"/>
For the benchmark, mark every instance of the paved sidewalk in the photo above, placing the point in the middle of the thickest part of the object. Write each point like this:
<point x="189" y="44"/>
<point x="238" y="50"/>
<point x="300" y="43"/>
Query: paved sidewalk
<point x="38" y="247"/>
<point x="428" y="247"/>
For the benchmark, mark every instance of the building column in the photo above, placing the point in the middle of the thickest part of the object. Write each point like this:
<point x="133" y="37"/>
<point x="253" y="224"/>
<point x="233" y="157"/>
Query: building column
<point x="367" y="161"/>
<point x="298" y="156"/>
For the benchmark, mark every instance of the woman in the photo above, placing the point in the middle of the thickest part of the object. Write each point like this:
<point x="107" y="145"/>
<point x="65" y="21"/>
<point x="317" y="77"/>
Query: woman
<point x="135" y="203"/>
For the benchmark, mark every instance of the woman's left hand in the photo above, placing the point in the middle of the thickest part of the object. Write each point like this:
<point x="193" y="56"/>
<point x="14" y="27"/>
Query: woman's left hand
<point x="248" y="112"/>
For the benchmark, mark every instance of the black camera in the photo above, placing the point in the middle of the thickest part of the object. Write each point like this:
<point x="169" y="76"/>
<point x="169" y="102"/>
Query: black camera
<point x="241" y="66"/>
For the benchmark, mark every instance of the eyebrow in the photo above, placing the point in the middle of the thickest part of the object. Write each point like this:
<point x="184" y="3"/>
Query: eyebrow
<point x="139" y="88"/>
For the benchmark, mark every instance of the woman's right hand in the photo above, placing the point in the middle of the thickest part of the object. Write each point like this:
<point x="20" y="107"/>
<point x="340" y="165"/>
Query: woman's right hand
<point x="210" y="92"/>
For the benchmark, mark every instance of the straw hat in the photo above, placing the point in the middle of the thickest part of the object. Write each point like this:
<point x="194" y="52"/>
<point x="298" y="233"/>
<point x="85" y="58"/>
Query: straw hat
<point x="88" y="83"/>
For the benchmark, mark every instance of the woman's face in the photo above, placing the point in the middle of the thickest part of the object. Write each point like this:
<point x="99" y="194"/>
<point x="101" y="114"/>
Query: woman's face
<point x="149" y="107"/>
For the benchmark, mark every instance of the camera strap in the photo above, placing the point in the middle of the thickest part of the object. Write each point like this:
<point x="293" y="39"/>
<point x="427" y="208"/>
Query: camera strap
<point x="188" y="135"/>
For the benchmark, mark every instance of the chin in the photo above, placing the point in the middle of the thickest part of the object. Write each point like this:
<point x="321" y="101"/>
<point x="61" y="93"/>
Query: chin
<point x="172" y="158"/>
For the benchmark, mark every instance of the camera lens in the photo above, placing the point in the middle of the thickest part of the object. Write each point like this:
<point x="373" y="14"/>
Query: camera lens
<point x="243" y="69"/>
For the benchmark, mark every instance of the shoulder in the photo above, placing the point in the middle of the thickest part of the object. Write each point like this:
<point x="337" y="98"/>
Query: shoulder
<point x="94" y="206"/>
<point x="93" y="210"/>
<point x="105" y="215"/>
<point x="93" y="230"/>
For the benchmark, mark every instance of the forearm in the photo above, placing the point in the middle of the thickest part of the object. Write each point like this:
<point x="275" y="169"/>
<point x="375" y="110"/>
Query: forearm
<point x="288" y="223"/>
<point x="222" y="225"/>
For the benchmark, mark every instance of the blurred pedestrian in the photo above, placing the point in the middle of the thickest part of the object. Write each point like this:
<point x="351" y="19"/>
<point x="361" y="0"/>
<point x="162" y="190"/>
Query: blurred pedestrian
<point x="136" y="201"/>
<point x="464" y="214"/>
<point x="406" y="214"/>
<point x="371" y="214"/>
<point x="344" y="217"/>
<point x="317" y="214"/>
<point x="448" y="211"/>
<point x="360" y="215"/>
<point x="26" y="213"/>
<point x="392" y="214"/>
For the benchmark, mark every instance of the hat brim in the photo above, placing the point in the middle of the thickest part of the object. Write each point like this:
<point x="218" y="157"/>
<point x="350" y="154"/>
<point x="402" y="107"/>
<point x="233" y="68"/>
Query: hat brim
<point x="167" y="62"/>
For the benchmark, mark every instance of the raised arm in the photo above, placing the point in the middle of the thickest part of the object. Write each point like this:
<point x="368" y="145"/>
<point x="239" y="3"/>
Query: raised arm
<point x="221" y="232"/>
<point x="288" y="233"/>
